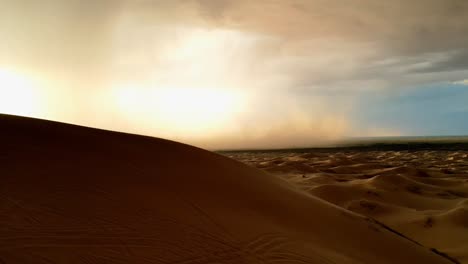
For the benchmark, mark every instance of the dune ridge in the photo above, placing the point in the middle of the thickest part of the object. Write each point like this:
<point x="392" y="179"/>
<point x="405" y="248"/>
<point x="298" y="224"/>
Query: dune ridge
<point x="71" y="194"/>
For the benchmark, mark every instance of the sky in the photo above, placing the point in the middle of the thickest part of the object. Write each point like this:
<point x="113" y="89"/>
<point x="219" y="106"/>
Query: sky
<point x="223" y="74"/>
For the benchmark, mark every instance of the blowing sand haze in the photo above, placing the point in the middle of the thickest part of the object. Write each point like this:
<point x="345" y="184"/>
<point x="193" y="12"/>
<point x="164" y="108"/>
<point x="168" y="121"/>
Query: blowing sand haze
<point x="72" y="194"/>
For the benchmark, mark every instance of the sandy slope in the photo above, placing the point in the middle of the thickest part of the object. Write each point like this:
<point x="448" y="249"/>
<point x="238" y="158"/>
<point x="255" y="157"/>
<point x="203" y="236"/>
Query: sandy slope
<point x="77" y="195"/>
<point x="421" y="194"/>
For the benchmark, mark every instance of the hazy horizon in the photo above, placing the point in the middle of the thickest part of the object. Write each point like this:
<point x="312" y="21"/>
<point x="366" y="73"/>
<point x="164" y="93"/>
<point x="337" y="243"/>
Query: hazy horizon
<point x="224" y="74"/>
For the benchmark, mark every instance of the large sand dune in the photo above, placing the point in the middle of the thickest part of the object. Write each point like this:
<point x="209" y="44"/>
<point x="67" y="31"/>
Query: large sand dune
<point x="421" y="194"/>
<point x="71" y="194"/>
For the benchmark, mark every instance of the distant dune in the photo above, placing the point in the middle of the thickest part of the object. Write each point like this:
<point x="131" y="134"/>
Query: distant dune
<point x="418" y="192"/>
<point x="71" y="194"/>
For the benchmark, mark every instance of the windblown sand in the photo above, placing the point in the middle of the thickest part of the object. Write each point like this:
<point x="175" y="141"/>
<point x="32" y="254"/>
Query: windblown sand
<point x="70" y="194"/>
<point x="421" y="194"/>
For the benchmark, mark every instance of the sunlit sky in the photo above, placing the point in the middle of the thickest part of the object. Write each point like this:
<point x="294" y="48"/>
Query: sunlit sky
<point x="239" y="73"/>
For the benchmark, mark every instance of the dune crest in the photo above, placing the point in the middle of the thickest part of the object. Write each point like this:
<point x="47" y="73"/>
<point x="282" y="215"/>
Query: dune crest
<point x="72" y="194"/>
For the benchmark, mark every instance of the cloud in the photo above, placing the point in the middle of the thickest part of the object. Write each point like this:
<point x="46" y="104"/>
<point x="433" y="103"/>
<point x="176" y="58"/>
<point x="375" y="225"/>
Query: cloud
<point x="461" y="82"/>
<point x="445" y="62"/>
<point x="317" y="57"/>
<point x="56" y="36"/>
<point x="366" y="32"/>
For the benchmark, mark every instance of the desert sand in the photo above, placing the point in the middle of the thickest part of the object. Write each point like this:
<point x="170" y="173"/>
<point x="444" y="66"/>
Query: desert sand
<point x="71" y="194"/>
<point x="421" y="194"/>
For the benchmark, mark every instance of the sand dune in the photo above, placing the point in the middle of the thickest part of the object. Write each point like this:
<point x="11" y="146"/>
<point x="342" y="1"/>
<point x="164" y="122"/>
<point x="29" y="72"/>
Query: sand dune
<point x="421" y="194"/>
<point x="71" y="194"/>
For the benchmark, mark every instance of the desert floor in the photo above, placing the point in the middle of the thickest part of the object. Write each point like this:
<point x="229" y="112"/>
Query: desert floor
<point x="421" y="194"/>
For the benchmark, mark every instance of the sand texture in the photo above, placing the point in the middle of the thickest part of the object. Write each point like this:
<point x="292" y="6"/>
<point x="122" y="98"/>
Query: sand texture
<point x="70" y="194"/>
<point x="421" y="194"/>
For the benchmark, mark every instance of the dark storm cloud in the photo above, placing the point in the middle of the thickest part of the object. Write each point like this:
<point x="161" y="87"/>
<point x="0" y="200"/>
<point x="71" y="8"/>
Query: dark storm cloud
<point x="406" y="30"/>
<point x="406" y="25"/>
